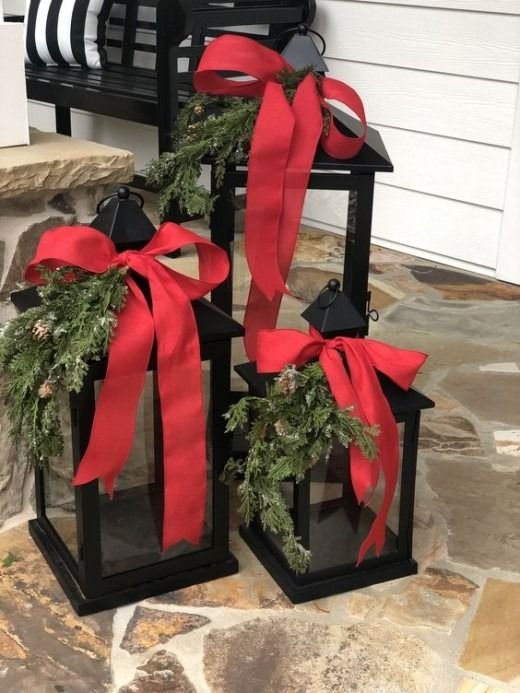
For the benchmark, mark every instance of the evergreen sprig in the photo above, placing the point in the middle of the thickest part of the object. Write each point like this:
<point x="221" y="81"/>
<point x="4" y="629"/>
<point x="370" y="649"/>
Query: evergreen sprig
<point x="290" y="430"/>
<point x="46" y="350"/>
<point x="215" y="126"/>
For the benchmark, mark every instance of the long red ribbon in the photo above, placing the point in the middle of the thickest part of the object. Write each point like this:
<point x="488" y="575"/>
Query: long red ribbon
<point x="172" y="322"/>
<point x="283" y="147"/>
<point x="357" y="387"/>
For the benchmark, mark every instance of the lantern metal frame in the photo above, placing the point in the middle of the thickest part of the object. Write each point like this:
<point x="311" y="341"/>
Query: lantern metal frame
<point x="82" y="579"/>
<point x="315" y="584"/>
<point x="352" y="175"/>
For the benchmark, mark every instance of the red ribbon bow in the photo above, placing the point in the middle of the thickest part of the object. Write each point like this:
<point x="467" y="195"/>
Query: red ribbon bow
<point x="285" y="139"/>
<point x="172" y="322"/>
<point x="358" y="387"/>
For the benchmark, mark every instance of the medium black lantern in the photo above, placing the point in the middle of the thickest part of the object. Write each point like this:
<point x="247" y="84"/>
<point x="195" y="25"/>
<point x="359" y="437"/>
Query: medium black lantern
<point x="108" y="552"/>
<point x="324" y="508"/>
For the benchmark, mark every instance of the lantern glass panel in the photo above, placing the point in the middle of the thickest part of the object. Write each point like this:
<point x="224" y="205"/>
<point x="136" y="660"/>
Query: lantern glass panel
<point x="337" y="524"/>
<point x="338" y="206"/>
<point x="60" y="499"/>
<point x="131" y="523"/>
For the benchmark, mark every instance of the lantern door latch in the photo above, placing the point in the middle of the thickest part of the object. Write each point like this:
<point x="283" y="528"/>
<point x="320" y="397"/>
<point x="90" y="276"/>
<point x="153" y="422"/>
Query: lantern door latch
<point x="372" y="313"/>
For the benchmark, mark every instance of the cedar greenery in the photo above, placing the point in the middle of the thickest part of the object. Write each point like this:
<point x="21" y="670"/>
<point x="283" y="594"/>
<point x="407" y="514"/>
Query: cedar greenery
<point x="46" y="350"/>
<point x="293" y="428"/>
<point x="215" y="126"/>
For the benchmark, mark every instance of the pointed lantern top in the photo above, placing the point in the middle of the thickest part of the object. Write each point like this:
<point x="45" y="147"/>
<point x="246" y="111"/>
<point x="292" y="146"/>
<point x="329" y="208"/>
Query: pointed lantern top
<point x="332" y="313"/>
<point x="121" y="217"/>
<point x="301" y="51"/>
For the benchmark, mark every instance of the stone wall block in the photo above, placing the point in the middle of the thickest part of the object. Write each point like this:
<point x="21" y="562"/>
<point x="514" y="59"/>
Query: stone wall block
<point x="14" y="470"/>
<point x="25" y="246"/>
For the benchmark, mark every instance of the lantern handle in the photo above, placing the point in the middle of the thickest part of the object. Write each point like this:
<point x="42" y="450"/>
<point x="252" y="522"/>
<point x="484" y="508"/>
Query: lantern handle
<point x="302" y="29"/>
<point x="122" y="193"/>
<point x="333" y="287"/>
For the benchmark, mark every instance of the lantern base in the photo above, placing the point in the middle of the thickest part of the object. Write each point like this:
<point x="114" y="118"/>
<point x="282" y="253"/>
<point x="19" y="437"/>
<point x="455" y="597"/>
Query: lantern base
<point x="305" y="588"/>
<point x="84" y="605"/>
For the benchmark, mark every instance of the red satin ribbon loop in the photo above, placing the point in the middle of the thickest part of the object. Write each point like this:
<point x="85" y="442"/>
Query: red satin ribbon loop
<point x="171" y="323"/>
<point x="283" y="147"/>
<point x="357" y="387"/>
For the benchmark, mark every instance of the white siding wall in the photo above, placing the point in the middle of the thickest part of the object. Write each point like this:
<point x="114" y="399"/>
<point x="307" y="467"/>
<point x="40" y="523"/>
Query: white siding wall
<point x="439" y="79"/>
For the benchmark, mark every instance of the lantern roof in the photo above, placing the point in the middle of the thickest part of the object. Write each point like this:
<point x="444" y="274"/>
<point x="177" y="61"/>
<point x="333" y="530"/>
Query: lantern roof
<point x="121" y="217"/>
<point x="372" y="157"/>
<point x="301" y="51"/>
<point x="401" y="401"/>
<point x="332" y="313"/>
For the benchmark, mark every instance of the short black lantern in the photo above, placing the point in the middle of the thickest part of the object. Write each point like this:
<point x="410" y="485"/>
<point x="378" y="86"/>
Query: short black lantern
<point x="324" y="508"/>
<point x="108" y="552"/>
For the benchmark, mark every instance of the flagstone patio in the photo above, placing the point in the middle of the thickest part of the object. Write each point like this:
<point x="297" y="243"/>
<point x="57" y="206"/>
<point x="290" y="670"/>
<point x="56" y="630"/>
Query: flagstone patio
<point x="455" y="627"/>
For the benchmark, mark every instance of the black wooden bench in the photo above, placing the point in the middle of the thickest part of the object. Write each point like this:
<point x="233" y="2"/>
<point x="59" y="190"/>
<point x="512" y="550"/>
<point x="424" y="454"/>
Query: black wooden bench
<point x="140" y="83"/>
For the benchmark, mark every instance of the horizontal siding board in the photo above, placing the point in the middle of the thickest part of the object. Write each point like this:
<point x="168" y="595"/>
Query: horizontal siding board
<point x="465" y="171"/>
<point x="452" y="42"/>
<point x="495" y="6"/>
<point x="418" y="222"/>
<point x="444" y="227"/>
<point x="447" y="105"/>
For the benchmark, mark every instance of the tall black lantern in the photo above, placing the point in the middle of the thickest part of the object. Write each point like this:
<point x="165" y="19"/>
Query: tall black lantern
<point x="105" y="552"/>
<point x="323" y="506"/>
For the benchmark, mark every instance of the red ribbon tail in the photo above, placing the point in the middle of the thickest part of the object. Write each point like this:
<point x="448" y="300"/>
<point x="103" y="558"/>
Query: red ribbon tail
<point x="286" y="198"/>
<point x="364" y="475"/>
<point x="113" y="427"/>
<point x="375" y="538"/>
<point x="270" y="149"/>
<point x="182" y="409"/>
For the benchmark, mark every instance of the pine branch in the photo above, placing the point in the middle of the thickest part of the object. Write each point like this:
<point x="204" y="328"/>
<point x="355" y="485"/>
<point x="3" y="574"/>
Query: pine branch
<point x="46" y="350"/>
<point x="209" y="126"/>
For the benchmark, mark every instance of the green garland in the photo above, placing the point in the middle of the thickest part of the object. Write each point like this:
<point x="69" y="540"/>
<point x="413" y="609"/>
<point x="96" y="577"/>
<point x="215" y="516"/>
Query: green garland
<point x="215" y="126"/>
<point x="293" y="428"/>
<point x="46" y="350"/>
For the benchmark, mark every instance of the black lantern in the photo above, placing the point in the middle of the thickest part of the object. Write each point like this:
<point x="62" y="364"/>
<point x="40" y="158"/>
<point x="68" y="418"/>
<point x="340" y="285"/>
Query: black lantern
<point x="105" y="552"/>
<point x="325" y="511"/>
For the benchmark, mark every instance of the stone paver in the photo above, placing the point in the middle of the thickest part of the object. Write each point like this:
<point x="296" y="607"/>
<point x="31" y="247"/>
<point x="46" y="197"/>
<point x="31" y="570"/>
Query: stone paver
<point x="293" y="657"/>
<point x="482" y="511"/>
<point x="150" y="627"/>
<point x="436" y="599"/>
<point x="44" y="646"/>
<point x="493" y="645"/>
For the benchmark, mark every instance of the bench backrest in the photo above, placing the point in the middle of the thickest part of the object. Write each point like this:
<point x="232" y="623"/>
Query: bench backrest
<point x="136" y="27"/>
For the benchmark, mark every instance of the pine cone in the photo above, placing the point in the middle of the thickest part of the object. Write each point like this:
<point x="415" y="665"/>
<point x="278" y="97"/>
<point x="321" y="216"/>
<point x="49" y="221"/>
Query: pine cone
<point x="46" y="389"/>
<point x="41" y="330"/>
<point x="280" y="428"/>
<point x="288" y="381"/>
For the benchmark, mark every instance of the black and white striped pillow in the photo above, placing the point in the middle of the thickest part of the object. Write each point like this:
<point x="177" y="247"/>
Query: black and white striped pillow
<point x="66" y="32"/>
